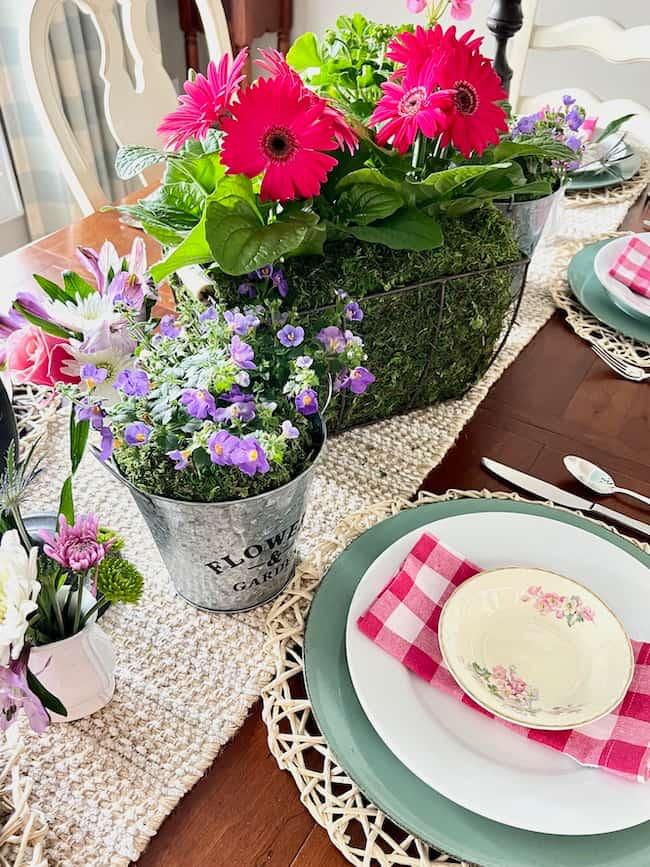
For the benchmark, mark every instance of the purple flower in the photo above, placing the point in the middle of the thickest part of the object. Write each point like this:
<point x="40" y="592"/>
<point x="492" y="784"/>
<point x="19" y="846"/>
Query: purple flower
<point x="304" y="361"/>
<point x="198" y="402"/>
<point x="574" y="119"/>
<point x="91" y="375"/>
<point x="241" y="411"/>
<point x="360" y="379"/>
<point x="342" y="379"/>
<point x="340" y="294"/>
<point x="208" y="314"/>
<point x="353" y="312"/>
<point x="92" y="411"/>
<point x="31" y="304"/>
<point x="264" y="272"/>
<point x="243" y="378"/>
<point x="132" y="285"/>
<point x="352" y="339"/>
<point x="291" y="335"/>
<point x="220" y="447"/>
<point x="235" y="395"/>
<point x="137" y="433"/>
<point x="332" y="338"/>
<point x="574" y="143"/>
<point x="135" y="383"/>
<point x="180" y="458"/>
<point x="567" y="99"/>
<point x="280" y="283"/>
<point x="76" y="547"/>
<point x="249" y="456"/>
<point x="307" y="402"/>
<point x="169" y="326"/>
<point x="525" y="125"/>
<point x="240" y="323"/>
<point x="289" y="431"/>
<point x="106" y="448"/>
<point x="248" y="290"/>
<point x="242" y="354"/>
<point x="15" y="695"/>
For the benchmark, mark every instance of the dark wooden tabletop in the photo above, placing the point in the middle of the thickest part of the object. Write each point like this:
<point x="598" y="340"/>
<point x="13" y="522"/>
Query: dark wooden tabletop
<point x="556" y="399"/>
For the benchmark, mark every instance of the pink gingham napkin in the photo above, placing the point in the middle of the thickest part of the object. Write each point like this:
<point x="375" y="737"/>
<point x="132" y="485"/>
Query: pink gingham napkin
<point x="632" y="267"/>
<point x="403" y="620"/>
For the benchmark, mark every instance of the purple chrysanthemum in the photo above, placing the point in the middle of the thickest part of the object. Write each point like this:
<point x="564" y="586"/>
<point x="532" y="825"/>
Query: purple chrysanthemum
<point x="76" y="547"/>
<point x="291" y="335"/>
<point x="137" y="433"/>
<point x="134" y="383"/>
<point x="198" y="402"/>
<point x="307" y="402"/>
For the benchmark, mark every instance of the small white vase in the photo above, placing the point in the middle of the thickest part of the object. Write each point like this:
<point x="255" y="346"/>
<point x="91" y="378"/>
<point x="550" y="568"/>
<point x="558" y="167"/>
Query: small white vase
<point x="79" y="671"/>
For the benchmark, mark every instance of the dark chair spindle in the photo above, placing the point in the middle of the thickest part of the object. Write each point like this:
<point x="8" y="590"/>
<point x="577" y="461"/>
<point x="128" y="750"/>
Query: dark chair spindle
<point x="504" y="20"/>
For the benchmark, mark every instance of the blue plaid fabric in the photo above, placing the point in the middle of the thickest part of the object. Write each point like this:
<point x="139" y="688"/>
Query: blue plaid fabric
<point x="75" y="55"/>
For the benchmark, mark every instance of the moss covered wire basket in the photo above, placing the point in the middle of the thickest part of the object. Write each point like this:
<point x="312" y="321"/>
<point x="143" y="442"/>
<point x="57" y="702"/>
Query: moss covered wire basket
<point x="434" y="321"/>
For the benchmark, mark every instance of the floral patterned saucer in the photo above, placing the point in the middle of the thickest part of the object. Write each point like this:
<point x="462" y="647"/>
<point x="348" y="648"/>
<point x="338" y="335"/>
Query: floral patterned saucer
<point x="535" y="648"/>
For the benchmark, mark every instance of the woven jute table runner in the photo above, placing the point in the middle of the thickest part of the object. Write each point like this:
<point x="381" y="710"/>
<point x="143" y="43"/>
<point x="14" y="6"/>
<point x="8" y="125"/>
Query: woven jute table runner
<point x="186" y="679"/>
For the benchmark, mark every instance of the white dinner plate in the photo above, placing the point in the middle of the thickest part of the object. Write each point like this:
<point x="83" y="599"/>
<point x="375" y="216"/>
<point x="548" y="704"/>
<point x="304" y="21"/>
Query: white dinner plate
<point x="477" y="762"/>
<point x="625" y="299"/>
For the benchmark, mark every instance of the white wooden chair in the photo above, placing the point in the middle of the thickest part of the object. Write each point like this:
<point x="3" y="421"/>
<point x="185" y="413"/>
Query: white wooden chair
<point x="602" y="36"/>
<point x="132" y="112"/>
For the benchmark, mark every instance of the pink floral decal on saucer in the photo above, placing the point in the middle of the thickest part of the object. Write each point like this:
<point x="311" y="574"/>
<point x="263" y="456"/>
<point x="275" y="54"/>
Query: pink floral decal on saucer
<point x="569" y="608"/>
<point x="506" y="685"/>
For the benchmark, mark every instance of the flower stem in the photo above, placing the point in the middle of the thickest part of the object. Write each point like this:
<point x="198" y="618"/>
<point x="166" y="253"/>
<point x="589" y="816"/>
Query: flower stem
<point x="22" y="529"/>
<point x="77" y="614"/>
<point x="57" y="614"/>
<point x="91" y="611"/>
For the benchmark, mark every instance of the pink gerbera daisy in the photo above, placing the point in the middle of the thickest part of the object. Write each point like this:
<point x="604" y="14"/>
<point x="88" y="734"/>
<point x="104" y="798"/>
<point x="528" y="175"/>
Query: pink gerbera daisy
<point x="416" y="49"/>
<point x="205" y="101"/>
<point x="280" y="130"/>
<point x="275" y="64"/>
<point x="477" y="119"/>
<point x="412" y="105"/>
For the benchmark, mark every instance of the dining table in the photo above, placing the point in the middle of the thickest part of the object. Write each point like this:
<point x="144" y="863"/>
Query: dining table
<point x="556" y="398"/>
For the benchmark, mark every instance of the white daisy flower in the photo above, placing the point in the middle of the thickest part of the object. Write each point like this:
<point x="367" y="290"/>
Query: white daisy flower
<point x="18" y="591"/>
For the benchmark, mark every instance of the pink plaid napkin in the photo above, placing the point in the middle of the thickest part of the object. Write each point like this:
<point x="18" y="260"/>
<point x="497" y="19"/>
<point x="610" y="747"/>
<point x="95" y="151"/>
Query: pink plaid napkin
<point x="632" y="267"/>
<point x="403" y="620"/>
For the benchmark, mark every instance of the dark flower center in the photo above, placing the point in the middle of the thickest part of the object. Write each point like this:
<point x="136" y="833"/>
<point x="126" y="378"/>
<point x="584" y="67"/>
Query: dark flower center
<point x="279" y="144"/>
<point x="466" y="98"/>
<point x="411" y="103"/>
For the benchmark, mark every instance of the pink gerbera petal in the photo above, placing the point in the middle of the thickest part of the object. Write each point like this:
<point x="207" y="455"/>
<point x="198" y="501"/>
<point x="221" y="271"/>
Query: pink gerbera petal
<point x="205" y="101"/>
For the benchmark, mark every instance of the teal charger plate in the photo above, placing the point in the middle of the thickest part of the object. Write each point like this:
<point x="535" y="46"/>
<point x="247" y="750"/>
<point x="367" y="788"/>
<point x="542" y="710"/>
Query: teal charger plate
<point x="624" y="170"/>
<point x="379" y="774"/>
<point x="590" y="292"/>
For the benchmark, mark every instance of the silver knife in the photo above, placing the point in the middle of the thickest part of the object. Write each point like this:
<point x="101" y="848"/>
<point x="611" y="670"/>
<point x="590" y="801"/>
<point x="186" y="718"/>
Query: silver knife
<point x="562" y="498"/>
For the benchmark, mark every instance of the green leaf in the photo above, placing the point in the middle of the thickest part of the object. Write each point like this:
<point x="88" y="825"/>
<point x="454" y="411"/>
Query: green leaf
<point x="367" y="176"/>
<point x="66" y="503"/>
<point x="75" y="285"/>
<point x="313" y="243"/>
<point x="444" y="183"/>
<point x="78" y="438"/>
<point x="304" y="53"/>
<point x="614" y="126"/>
<point x="365" y="203"/>
<point x="194" y="250"/>
<point x="542" y="148"/>
<point x="407" y="229"/>
<point x="44" y="324"/>
<point x="53" y="292"/>
<point x="204" y="171"/>
<point x="241" y="242"/>
<point x="49" y="701"/>
<point x="132" y="160"/>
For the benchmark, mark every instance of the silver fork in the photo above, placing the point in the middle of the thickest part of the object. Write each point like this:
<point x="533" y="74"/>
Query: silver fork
<point x="623" y="368"/>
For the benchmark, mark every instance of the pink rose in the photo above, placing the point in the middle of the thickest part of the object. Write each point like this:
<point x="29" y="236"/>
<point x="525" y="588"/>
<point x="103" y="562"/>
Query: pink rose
<point x="36" y="357"/>
<point x="416" y="6"/>
<point x="461" y="10"/>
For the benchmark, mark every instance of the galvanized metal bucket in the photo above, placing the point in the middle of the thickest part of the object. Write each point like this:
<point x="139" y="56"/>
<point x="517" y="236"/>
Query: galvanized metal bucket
<point x="230" y="556"/>
<point x="530" y="218"/>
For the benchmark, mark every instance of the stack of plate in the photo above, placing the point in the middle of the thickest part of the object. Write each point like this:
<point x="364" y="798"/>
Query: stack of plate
<point x="610" y="301"/>
<point x="442" y="771"/>
<point x="623" y="163"/>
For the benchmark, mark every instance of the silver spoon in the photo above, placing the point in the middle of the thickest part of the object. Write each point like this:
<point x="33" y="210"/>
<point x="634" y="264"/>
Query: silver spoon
<point x="598" y="480"/>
